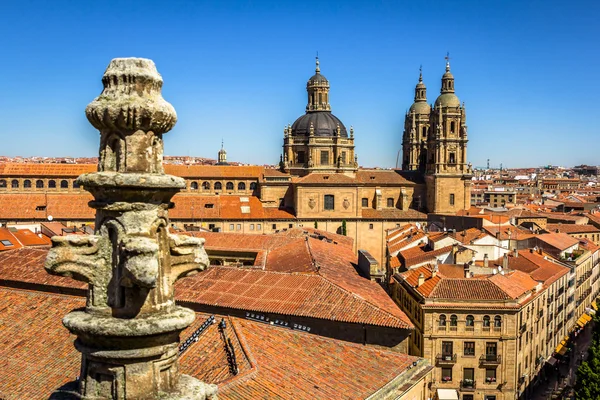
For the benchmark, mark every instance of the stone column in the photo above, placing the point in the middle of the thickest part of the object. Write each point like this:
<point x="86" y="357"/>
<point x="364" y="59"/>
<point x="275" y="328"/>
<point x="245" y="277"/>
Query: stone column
<point x="128" y="333"/>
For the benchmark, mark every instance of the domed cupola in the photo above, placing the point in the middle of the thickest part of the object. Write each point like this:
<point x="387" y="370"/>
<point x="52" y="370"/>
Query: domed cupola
<point x="447" y="98"/>
<point x="318" y="117"/>
<point x="420" y="105"/>
<point x="318" y="141"/>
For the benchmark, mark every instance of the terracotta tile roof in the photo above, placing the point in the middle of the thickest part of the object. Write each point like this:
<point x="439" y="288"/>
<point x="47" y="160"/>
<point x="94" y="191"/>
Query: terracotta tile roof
<point x="306" y="295"/>
<point x="539" y="268"/>
<point x="516" y="232"/>
<point x="37" y="356"/>
<point x="572" y="228"/>
<point x="60" y="206"/>
<point x="75" y="206"/>
<point x="468" y="289"/>
<point x="335" y="292"/>
<point x="293" y="364"/>
<point x="421" y="254"/>
<point x="50" y="170"/>
<point x="381" y="177"/>
<point x="559" y="241"/>
<point x="469" y="235"/>
<point x="404" y="240"/>
<point x="325" y="179"/>
<point x="409" y="215"/>
<point x="37" y="353"/>
<point x="26" y="265"/>
<point x="412" y="278"/>
<point x="515" y="283"/>
<point x="587" y="244"/>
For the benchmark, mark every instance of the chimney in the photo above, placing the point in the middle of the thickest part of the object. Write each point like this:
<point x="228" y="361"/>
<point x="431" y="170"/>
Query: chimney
<point x="515" y="253"/>
<point x="505" y="261"/>
<point x="486" y="261"/>
<point x="454" y="252"/>
<point x="421" y="279"/>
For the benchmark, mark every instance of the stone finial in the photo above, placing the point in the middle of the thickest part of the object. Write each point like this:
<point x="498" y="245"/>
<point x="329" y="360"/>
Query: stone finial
<point x="131" y="99"/>
<point x="131" y="116"/>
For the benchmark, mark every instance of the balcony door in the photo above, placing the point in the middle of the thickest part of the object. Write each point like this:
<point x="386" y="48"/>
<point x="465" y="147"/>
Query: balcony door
<point x="447" y="349"/>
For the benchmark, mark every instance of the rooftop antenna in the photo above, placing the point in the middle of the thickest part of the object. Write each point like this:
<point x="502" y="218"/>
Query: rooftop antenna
<point x="488" y="163"/>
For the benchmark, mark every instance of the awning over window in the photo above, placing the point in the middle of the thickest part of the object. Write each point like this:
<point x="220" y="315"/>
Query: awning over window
<point x="594" y="305"/>
<point x="584" y="319"/>
<point x="447" y="394"/>
<point x="562" y="346"/>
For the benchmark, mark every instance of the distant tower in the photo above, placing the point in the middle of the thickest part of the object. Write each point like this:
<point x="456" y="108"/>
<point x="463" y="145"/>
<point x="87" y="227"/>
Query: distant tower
<point x="447" y="174"/>
<point x="318" y="141"/>
<point x="416" y="130"/>
<point x="222" y="156"/>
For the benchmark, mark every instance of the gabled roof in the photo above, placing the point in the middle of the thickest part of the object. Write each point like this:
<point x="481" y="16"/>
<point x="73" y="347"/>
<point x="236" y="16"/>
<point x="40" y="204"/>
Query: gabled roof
<point x="560" y="241"/>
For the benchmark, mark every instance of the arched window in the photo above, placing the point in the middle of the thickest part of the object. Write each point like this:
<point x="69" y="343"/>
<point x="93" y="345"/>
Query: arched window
<point x="453" y="320"/>
<point x="2" y="183"/>
<point x="206" y="185"/>
<point x="470" y="320"/>
<point x="14" y="184"/>
<point x="229" y="186"/>
<point x="218" y="186"/>
<point x="39" y="184"/>
<point x="64" y="184"/>
<point x="497" y="321"/>
<point x="442" y="320"/>
<point x="194" y="186"/>
<point x="52" y="184"/>
<point x="27" y="184"/>
<point x="252" y="185"/>
<point x="76" y="185"/>
<point x="486" y="321"/>
<point x="241" y="186"/>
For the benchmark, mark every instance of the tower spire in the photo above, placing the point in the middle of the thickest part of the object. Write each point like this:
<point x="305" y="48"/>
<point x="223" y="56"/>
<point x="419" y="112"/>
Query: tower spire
<point x="317" y="69"/>
<point x="447" y="58"/>
<point x="421" y="73"/>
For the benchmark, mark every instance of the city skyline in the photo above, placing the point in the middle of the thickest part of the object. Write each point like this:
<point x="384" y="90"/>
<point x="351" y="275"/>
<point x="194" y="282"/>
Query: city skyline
<point x="237" y="73"/>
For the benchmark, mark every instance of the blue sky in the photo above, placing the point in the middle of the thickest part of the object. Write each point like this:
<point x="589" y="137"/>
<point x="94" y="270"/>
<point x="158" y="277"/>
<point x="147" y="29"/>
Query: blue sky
<point x="528" y="72"/>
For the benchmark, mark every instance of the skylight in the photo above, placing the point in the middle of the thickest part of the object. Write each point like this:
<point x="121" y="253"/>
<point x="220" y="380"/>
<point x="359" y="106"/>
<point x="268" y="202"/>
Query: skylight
<point x="6" y="242"/>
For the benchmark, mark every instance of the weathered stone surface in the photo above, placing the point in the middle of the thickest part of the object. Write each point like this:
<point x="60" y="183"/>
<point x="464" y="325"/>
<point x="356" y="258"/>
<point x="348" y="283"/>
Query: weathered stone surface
<point x="128" y="333"/>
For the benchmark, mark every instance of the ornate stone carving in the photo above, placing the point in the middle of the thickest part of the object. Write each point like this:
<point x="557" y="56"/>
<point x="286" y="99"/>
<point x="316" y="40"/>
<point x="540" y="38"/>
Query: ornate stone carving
<point x="312" y="203"/>
<point x="129" y="331"/>
<point x="346" y="203"/>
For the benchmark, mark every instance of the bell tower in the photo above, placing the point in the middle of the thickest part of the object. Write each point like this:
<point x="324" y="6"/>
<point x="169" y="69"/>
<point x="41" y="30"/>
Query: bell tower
<point x="416" y="130"/>
<point x="448" y="176"/>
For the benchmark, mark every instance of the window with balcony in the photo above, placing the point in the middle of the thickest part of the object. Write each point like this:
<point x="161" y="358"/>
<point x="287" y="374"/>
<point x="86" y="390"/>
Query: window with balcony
<point x="469" y="349"/>
<point x="447" y="350"/>
<point x="468" y="378"/>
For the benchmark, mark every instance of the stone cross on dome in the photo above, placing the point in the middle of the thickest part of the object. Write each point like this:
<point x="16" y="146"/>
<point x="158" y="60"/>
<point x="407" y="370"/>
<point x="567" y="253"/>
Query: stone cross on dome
<point x="128" y="333"/>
